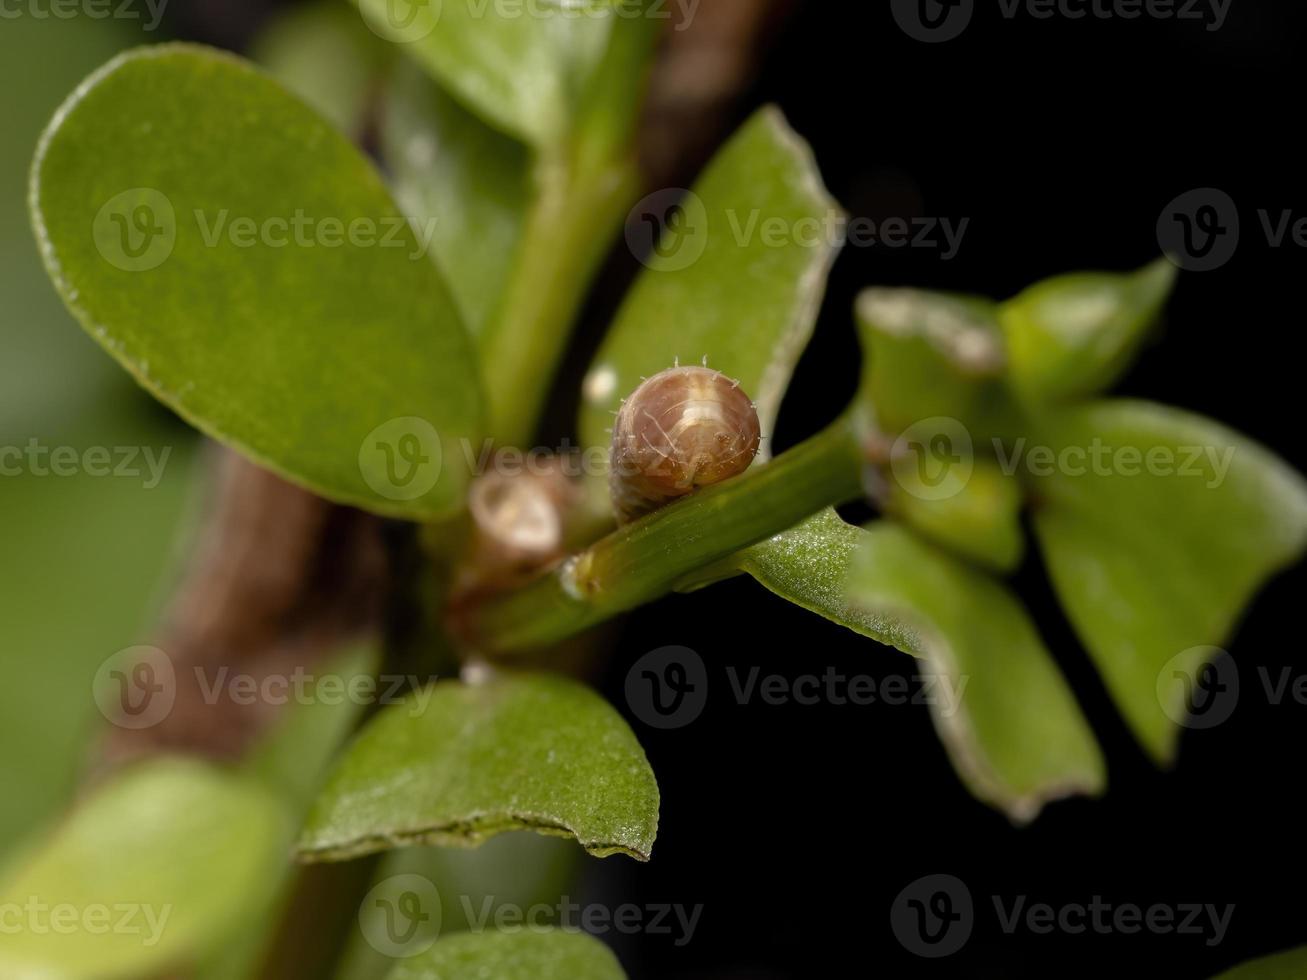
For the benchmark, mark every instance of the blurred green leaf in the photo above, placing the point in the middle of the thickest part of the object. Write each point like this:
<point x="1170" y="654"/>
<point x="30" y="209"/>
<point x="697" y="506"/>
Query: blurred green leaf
<point x="1014" y="731"/>
<point x="150" y="871"/>
<point x="468" y="183"/>
<point x="291" y="761"/>
<point x="931" y="356"/>
<point x="457" y="764"/>
<point x="104" y="541"/>
<point x="1157" y="539"/>
<point x="515" y="870"/>
<point x="809" y="565"/>
<point x="979" y="520"/>
<point x="528" y="955"/>
<point x="1010" y="724"/>
<point x="40" y="62"/>
<point x="323" y="53"/>
<point x="296" y="354"/>
<point x="1289" y="965"/>
<point x="523" y="68"/>
<point x="1074" y="335"/>
<point x="722" y="283"/>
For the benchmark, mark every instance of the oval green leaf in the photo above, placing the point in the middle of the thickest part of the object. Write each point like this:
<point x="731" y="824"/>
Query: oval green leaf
<point x="727" y="285"/>
<point x="456" y="764"/>
<point x="1074" y="335"/>
<point x="466" y="184"/>
<point x="153" y="870"/>
<point x="1011" y="727"/>
<point x="520" y="67"/>
<point x="930" y="356"/>
<point x="245" y="263"/>
<point x="1157" y="543"/>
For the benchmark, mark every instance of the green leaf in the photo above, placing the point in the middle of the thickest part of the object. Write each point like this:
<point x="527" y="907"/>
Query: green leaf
<point x="728" y="291"/>
<point x="1015" y="733"/>
<point x="552" y="954"/>
<point x="123" y="527"/>
<point x="466" y="182"/>
<point x="176" y="840"/>
<point x="1156" y="559"/>
<point x="809" y="565"/>
<point x="512" y="870"/>
<point x="1289" y="965"/>
<point x="125" y="531"/>
<point x="458" y="764"/>
<point x="522" y="68"/>
<point x="931" y="356"/>
<point x="324" y="54"/>
<point x="1074" y="335"/>
<point x="969" y="506"/>
<point x="293" y="757"/>
<point x="1005" y="715"/>
<point x="291" y="761"/>
<point x="312" y="359"/>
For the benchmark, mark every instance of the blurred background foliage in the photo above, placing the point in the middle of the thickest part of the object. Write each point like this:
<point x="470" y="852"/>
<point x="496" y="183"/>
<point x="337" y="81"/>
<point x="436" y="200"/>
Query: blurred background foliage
<point x="84" y="556"/>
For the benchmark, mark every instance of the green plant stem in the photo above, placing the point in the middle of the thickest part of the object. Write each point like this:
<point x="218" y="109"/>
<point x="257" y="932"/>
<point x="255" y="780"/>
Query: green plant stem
<point x="567" y="233"/>
<point x="646" y="559"/>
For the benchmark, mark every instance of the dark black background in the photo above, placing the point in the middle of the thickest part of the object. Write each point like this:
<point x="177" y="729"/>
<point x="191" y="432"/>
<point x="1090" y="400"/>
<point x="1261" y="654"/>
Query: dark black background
<point x="797" y="826"/>
<point x="1061" y="140"/>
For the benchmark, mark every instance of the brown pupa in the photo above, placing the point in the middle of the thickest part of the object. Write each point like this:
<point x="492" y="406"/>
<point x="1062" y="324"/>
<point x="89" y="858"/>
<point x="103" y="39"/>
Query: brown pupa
<point x="682" y="429"/>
